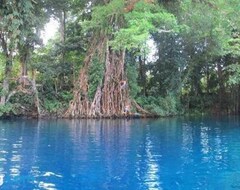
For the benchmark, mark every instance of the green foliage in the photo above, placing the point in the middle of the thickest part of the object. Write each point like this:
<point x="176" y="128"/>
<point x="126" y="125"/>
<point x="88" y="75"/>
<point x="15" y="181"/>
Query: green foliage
<point x="132" y="29"/>
<point x="23" y="99"/>
<point x="234" y="77"/>
<point x="213" y="21"/>
<point x="19" y="104"/>
<point x="234" y="45"/>
<point x="16" y="18"/>
<point x="103" y="15"/>
<point x="52" y="106"/>
<point x="2" y="64"/>
<point x="2" y="92"/>
<point x="55" y="77"/>
<point x="162" y="106"/>
<point x="166" y="71"/>
<point x="7" y="110"/>
<point x="65" y="96"/>
<point x="132" y="76"/>
<point x="53" y="74"/>
<point x="58" y="103"/>
<point x="140" y="23"/>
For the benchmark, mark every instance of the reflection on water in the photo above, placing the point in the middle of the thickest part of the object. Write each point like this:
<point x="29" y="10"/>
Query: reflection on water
<point x="147" y="168"/>
<point x="152" y="180"/>
<point x="120" y="154"/>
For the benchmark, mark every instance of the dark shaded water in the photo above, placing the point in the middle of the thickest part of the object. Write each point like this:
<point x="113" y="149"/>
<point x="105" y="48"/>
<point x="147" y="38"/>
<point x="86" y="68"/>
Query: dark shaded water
<point x="120" y="154"/>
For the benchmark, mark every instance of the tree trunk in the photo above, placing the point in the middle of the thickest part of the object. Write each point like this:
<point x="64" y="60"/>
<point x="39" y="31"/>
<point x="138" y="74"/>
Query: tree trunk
<point x="115" y="100"/>
<point x="35" y="91"/>
<point x="221" y="91"/>
<point x="23" y="61"/>
<point x="62" y="32"/>
<point x="79" y="106"/>
<point x="8" y="68"/>
<point x="24" y="58"/>
<point x="5" y="89"/>
<point x="111" y="99"/>
<point x="142" y="74"/>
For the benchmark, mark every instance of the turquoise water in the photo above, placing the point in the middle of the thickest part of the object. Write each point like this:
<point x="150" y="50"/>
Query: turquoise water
<point x="169" y="154"/>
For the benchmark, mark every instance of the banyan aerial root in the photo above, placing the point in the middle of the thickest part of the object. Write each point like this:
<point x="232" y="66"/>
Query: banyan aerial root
<point x="111" y="98"/>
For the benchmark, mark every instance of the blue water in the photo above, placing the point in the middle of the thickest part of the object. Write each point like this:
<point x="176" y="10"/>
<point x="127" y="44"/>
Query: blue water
<point x="149" y="154"/>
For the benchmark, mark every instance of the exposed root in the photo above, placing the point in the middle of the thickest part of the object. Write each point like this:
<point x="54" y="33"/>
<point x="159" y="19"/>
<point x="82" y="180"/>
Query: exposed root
<point x="140" y="109"/>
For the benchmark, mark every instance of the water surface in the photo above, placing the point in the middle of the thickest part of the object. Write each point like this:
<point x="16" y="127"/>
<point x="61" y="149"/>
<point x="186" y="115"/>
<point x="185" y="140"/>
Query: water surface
<point x="169" y="154"/>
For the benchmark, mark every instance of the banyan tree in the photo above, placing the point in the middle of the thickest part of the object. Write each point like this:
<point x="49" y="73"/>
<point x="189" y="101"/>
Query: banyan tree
<point x="116" y="27"/>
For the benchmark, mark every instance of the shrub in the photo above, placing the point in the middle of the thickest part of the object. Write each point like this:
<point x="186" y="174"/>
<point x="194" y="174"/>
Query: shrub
<point x="162" y="106"/>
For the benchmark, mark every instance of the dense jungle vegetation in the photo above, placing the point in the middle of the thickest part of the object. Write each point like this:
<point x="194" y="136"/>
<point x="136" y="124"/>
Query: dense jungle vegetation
<point x="119" y="58"/>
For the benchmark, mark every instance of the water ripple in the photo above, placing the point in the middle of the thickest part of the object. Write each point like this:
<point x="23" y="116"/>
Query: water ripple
<point x="47" y="186"/>
<point x="124" y="155"/>
<point x="48" y="174"/>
